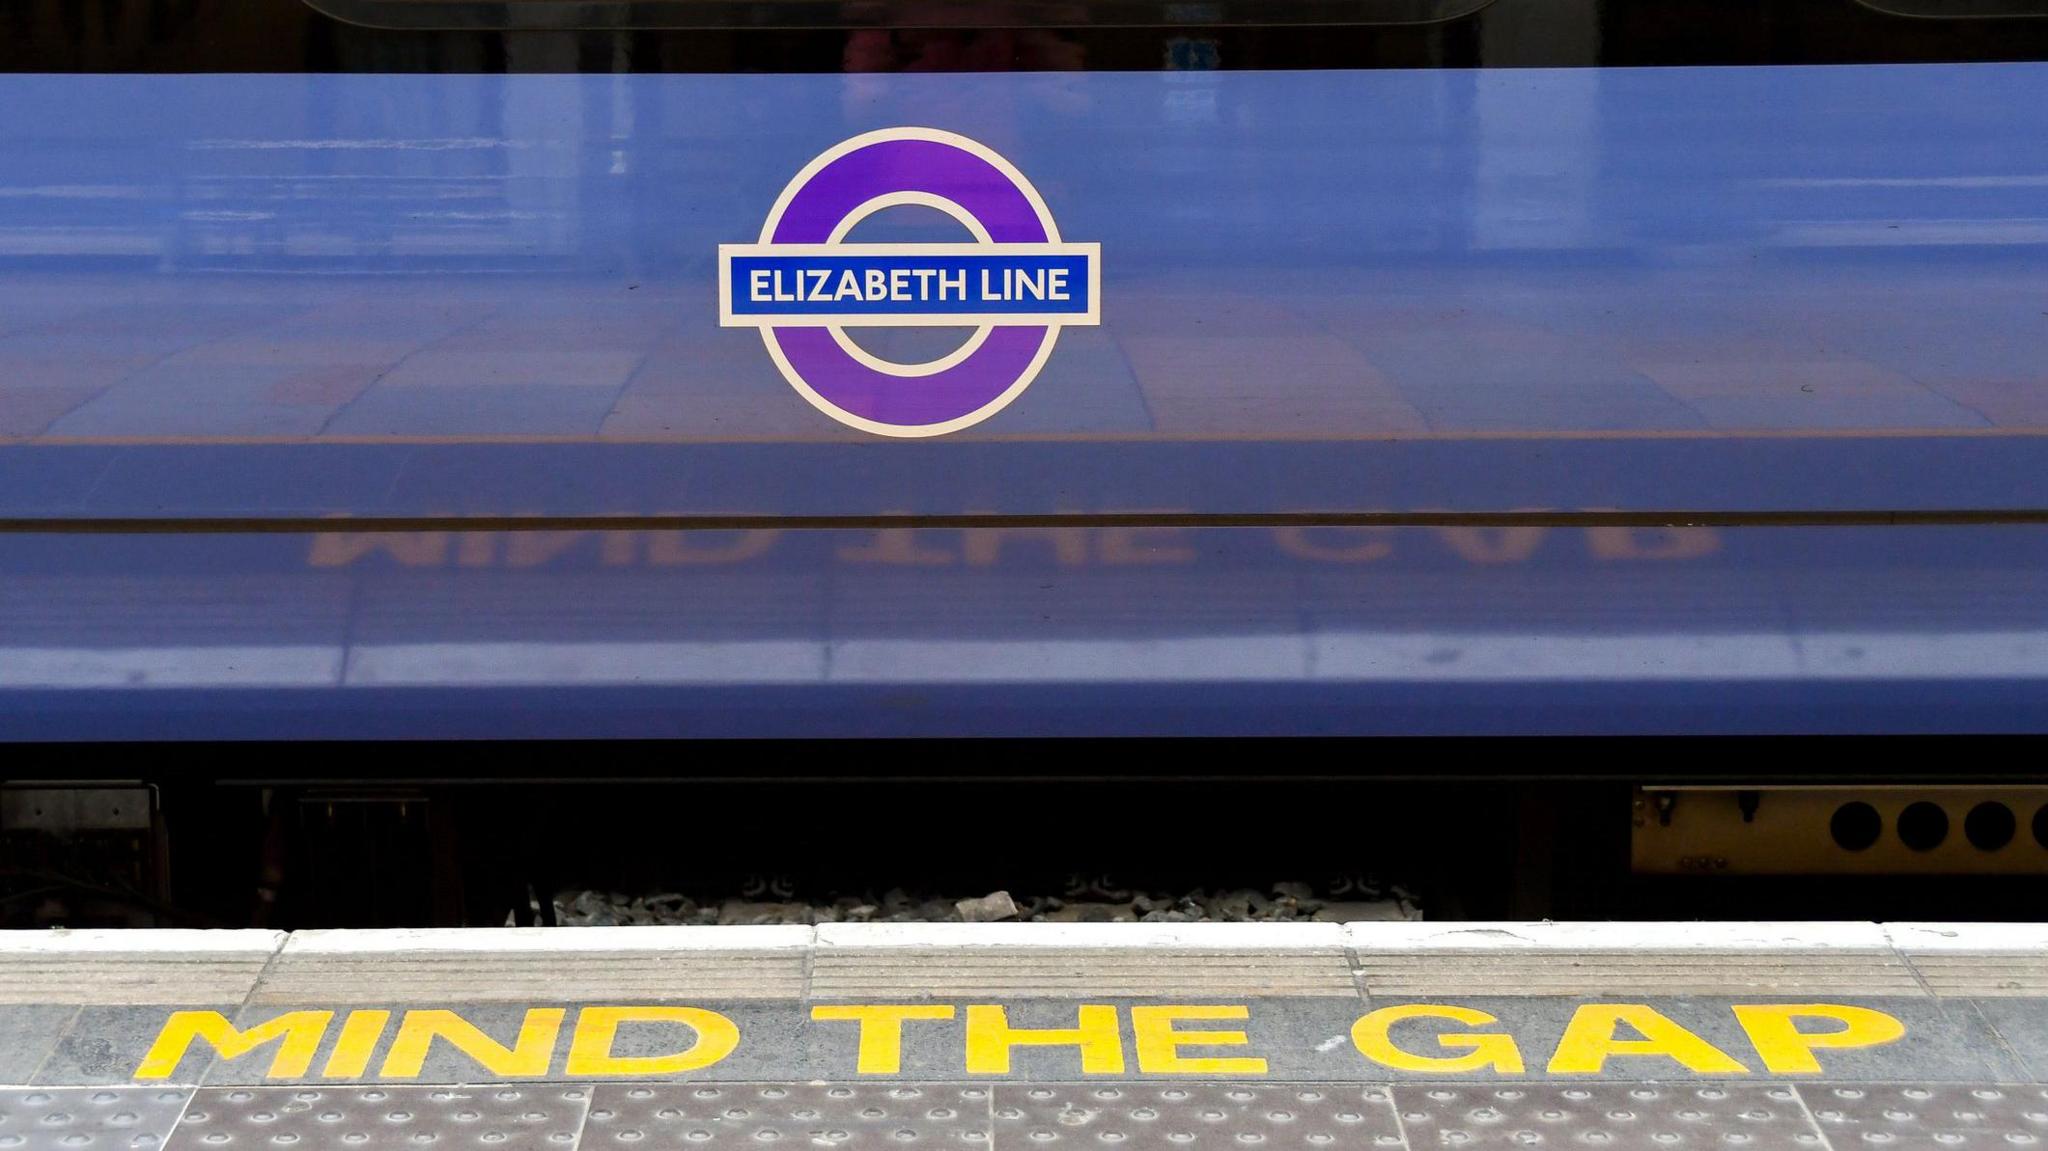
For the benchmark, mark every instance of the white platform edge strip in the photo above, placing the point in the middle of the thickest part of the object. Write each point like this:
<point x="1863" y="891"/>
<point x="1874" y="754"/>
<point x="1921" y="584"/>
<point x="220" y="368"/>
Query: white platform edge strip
<point x="551" y="940"/>
<point x="1236" y="936"/>
<point x="167" y="941"/>
<point x="1645" y="936"/>
<point x="1363" y="937"/>
<point x="1915" y="938"/>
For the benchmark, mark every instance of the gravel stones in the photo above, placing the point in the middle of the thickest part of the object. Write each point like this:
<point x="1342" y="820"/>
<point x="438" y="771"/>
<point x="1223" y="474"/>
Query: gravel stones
<point x="1092" y="901"/>
<point x="996" y="905"/>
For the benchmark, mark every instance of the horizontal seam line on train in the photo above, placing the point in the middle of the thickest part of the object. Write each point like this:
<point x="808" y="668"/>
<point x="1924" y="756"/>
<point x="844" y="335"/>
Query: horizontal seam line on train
<point x="1396" y="435"/>
<point x="315" y="525"/>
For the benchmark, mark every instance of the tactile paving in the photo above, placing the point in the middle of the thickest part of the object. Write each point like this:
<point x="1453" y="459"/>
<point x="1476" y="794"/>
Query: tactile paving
<point x="862" y="973"/>
<point x="1639" y="971"/>
<point x="89" y="1119"/>
<point x="440" y="977"/>
<point x="209" y="979"/>
<point x="1970" y="975"/>
<point x="527" y="1117"/>
<point x="1610" y="1116"/>
<point x="1144" y="1117"/>
<point x="1945" y="1118"/>
<point x="867" y="1117"/>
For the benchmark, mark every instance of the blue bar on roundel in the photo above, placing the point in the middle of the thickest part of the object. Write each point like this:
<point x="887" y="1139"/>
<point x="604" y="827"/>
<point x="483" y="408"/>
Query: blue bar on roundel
<point x="909" y="285"/>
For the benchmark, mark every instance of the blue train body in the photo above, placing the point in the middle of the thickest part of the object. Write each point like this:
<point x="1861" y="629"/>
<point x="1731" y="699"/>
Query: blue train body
<point x="231" y="303"/>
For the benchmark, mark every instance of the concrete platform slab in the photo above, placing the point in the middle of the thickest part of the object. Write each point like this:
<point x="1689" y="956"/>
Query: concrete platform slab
<point x="1008" y="1037"/>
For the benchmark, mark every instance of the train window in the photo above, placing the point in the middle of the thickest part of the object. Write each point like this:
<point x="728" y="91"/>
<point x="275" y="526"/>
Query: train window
<point x="609" y="15"/>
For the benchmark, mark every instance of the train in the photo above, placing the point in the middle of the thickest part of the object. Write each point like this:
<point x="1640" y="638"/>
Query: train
<point x="381" y="380"/>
